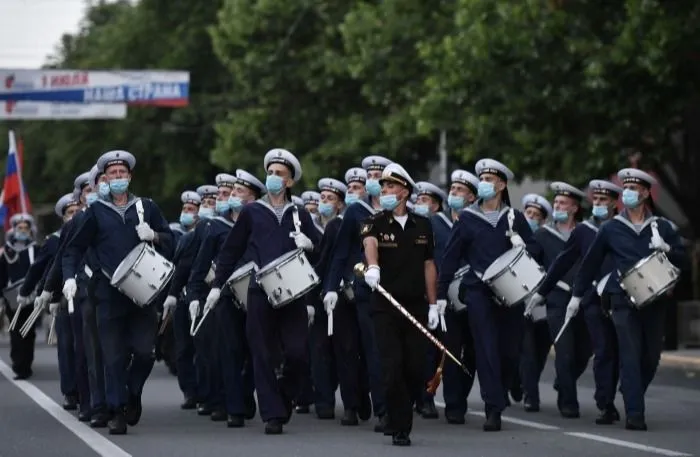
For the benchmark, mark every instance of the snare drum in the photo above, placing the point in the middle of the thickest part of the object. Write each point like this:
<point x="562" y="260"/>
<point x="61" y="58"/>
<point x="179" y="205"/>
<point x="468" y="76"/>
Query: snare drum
<point x="650" y="278"/>
<point x="239" y="282"/>
<point x="453" y="290"/>
<point x="514" y="276"/>
<point x="287" y="278"/>
<point x="143" y="274"/>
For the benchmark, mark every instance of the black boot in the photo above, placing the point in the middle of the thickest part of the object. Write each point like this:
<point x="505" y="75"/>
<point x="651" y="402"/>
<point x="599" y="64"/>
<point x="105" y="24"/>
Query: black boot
<point x="235" y="421"/>
<point x="203" y="410"/>
<point x="70" y="402"/>
<point x="325" y="412"/>
<point x="117" y="424"/>
<point x="99" y="419"/>
<point x="218" y="415"/>
<point x="608" y="416"/>
<point x="381" y="425"/>
<point x="349" y="418"/>
<point x="274" y="427"/>
<point x="133" y="410"/>
<point x="493" y="422"/>
<point x="400" y="439"/>
<point x="189" y="403"/>
<point x="636" y="423"/>
<point x="429" y="411"/>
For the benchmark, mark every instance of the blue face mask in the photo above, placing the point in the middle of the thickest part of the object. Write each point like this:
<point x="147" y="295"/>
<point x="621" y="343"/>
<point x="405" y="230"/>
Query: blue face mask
<point x="326" y="209"/>
<point x="388" y="202"/>
<point x="119" y="186"/>
<point x="486" y="190"/>
<point x="186" y="219"/>
<point x="455" y="202"/>
<point x="235" y="203"/>
<point x="560" y="216"/>
<point x="600" y="211"/>
<point x="630" y="198"/>
<point x="421" y="210"/>
<point x="274" y="184"/>
<point x="205" y="213"/>
<point x="21" y="236"/>
<point x="91" y="198"/>
<point x="351" y="198"/>
<point x="222" y="207"/>
<point x="534" y="225"/>
<point x="373" y="187"/>
<point x="103" y="189"/>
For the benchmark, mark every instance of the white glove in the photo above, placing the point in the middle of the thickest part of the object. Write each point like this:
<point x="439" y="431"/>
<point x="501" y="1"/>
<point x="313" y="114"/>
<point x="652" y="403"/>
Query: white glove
<point x="302" y="241"/>
<point x="194" y="310"/>
<point x="69" y="289"/>
<point x="372" y="276"/>
<point x="145" y="232"/>
<point x="572" y="308"/>
<point x="41" y="301"/>
<point x="441" y="308"/>
<point x="433" y="317"/>
<point x="310" y="312"/>
<point x="22" y="300"/>
<point x="329" y="301"/>
<point x="212" y="298"/>
<point x="535" y="300"/>
<point x="53" y="308"/>
<point x="516" y="240"/>
<point x="169" y="305"/>
<point x="658" y="244"/>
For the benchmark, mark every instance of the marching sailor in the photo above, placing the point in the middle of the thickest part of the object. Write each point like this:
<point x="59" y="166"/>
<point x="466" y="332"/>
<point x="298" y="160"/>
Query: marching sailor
<point x="604" y="196"/>
<point x="297" y="201"/>
<point x="481" y="235"/>
<point x="347" y="252"/>
<point x="458" y="339"/>
<point x="175" y="304"/>
<point x="429" y="203"/>
<point x="269" y="229"/>
<point x="16" y="259"/>
<point x="113" y="227"/>
<point x="536" y="339"/>
<point x="208" y="194"/>
<point x="629" y="237"/>
<point x="398" y="246"/>
<point x="311" y="200"/>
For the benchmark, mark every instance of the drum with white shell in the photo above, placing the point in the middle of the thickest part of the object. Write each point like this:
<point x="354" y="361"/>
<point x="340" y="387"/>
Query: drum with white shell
<point x="143" y="274"/>
<point x="514" y="276"/>
<point x="287" y="278"/>
<point x="649" y="278"/>
<point x="239" y="281"/>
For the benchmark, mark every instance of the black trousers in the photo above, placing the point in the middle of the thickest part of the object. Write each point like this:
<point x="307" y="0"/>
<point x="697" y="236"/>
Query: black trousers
<point x="22" y="349"/>
<point x="401" y="351"/>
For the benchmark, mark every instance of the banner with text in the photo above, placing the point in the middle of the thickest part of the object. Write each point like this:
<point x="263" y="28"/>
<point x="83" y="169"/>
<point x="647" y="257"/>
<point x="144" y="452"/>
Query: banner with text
<point x="146" y="88"/>
<point x="40" y="111"/>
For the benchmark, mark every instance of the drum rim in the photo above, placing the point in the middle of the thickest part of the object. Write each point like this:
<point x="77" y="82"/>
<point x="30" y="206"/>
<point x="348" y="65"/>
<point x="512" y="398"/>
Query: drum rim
<point x="279" y="261"/>
<point x="521" y="252"/>
<point x="243" y="271"/>
<point x="301" y="294"/>
<point x="654" y="296"/>
<point x="646" y="260"/>
<point x="116" y="280"/>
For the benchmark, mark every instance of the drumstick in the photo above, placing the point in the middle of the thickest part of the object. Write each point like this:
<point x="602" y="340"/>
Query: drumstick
<point x="330" y="323"/>
<point x="167" y="317"/>
<point x="15" y="318"/>
<point x="563" y="327"/>
<point x="51" y="340"/>
<point x="31" y="320"/>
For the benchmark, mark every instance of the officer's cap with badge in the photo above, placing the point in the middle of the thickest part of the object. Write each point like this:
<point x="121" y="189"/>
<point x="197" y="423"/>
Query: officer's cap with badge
<point x="493" y="167"/>
<point x="95" y="174"/>
<point x="465" y="178"/>
<point x="251" y="182"/>
<point x="117" y="157"/>
<point x="356" y="174"/>
<point x="375" y="163"/>
<point x="397" y="174"/>
<point x="567" y="190"/>
<point x="602" y="187"/>
<point x="636" y="176"/>
<point x="21" y="217"/>
<point x="310" y="197"/>
<point x="332" y="185"/>
<point x="538" y="202"/>
<point x="191" y="197"/>
<point x="208" y="191"/>
<point x="225" y="180"/>
<point x="286" y="158"/>
<point x="64" y="203"/>
<point x="430" y="189"/>
<point x="297" y="201"/>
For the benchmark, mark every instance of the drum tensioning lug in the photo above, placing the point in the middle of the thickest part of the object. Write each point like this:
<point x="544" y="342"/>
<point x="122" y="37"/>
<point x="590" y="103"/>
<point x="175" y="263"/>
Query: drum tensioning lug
<point x="525" y="286"/>
<point x="152" y="286"/>
<point x="165" y="273"/>
<point x="277" y="272"/>
<point x="136" y="273"/>
<point x="289" y="292"/>
<point x="301" y="260"/>
<point x="311" y="277"/>
<point x="277" y="294"/>
<point x="512" y="272"/>
<point x="650" y="289"/>
<point x="639" y="273"/>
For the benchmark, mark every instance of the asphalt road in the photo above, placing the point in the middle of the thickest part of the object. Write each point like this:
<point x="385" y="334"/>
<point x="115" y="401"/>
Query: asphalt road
<point x="33" y="424"/>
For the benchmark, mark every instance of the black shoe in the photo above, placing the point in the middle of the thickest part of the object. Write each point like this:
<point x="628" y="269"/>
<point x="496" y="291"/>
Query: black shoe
<point x="608" y="416"/>
<point x="516" y="393"/>
<point x="364" y="410"/>
<point x="493" y="422"/>
<point x="189" y="403"/>
<point x="235" y="421"/>
<point x="381" y="425"/>
<point x="400" y="439"/>
<point x="117" y="424"/>
<point x="250" y="408"/>
<point x="325" y="412"/>
<point x="274" y="427"/>
<point x="133" y="410"/>
<point x="455" y="420"/>
<point x="569" y="413"/>
<point x="349" y="418"/>
<point x="428" y="411"/>
<point x="99" y="420"/>
<point x="84" y="416"/>
<point x="70" y="402"/>
<point x="531" y="407"/>
<point x="218" y="415"/>
<point x="21" y="375"/>
<point x="636" y="423"/>
<point x="302" y="409"/>
<point x="203" y="410"/>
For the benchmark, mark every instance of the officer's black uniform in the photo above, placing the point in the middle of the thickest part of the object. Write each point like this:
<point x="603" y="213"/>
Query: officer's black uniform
<point x="402" y="255"/>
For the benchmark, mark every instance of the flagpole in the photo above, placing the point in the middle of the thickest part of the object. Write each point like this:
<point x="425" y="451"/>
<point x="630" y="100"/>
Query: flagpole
<point x="23" y="201"/>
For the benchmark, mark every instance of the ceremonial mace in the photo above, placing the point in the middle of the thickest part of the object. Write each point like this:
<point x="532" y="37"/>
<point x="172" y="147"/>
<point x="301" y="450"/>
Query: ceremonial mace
<point x="433" y="384"/>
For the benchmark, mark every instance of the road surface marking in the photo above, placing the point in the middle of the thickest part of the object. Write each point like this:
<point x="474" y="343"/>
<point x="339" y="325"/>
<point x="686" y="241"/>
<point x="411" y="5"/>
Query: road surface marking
<point x="511" y="420"/>
<point x="628" y="444"/>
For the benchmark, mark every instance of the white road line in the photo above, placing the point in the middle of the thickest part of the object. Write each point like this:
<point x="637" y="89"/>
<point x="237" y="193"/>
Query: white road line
<point x="628" y="444"/>
<point x="93" y="439"/>
<point x="512" y="420"/>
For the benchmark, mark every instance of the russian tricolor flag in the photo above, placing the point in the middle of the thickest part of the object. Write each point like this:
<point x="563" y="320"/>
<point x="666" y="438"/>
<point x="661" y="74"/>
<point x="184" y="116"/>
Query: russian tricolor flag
<point x="14" y="198"/>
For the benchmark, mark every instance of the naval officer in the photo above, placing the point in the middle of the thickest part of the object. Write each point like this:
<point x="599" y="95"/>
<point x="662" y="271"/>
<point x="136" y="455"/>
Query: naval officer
<point x="113" y="227"/>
